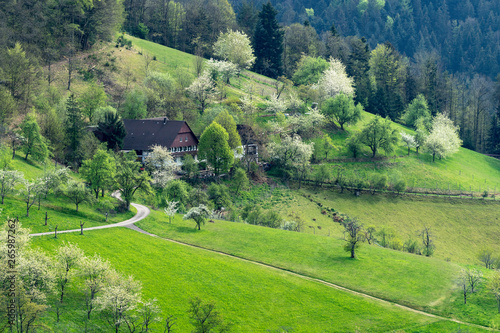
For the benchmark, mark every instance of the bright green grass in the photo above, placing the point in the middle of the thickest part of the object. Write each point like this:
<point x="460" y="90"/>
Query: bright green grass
<point x="460" y="227"/>
<point x="465" y="171"/>
<point x="385" y="273"/>
<point x="420" y="282"/>
<point x="60" y="210"/>
<point x="252" y="297"/>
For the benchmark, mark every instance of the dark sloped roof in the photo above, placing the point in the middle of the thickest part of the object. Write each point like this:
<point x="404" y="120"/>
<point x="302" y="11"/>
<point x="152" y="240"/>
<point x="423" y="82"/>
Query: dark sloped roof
<point x="144" y="133"/>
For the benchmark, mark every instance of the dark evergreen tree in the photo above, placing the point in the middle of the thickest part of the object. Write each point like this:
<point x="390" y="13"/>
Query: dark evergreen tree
<point x="357" y="67"/>
<point x="74" y="130"/>
<point x="112" y="131"/>
<point x="268" y="43"/>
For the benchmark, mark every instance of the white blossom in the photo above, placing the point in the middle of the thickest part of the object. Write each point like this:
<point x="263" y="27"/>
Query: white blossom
<point x="334" y="81"/>
<point x="161" y="165"/>
<point x="235" y="47"/>
<point x="443" y="140"/>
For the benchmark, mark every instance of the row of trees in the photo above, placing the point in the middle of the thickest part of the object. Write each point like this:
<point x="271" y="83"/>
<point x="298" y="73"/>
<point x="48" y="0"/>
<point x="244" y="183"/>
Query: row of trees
<point x="70" y="282"/>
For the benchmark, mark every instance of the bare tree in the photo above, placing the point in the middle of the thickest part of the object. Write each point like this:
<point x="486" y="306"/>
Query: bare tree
<point x="427" y="241"/>
<point x="353" y="235"/>
<point x="205" y="318"/>
<point x="487" y="258"/>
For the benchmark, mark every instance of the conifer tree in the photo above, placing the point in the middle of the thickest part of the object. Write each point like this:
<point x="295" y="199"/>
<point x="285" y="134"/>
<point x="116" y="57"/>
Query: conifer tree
<point x="74" y="129"/>
<point x="268" y="43"/>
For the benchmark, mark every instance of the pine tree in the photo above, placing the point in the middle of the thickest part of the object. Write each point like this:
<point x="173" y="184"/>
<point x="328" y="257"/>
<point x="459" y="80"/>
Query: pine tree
<point x="74" y="129"/>
<point x="268" y="43"/>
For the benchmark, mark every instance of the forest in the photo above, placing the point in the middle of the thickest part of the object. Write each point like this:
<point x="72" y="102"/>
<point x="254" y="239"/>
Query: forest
<point x="394" y="50"/>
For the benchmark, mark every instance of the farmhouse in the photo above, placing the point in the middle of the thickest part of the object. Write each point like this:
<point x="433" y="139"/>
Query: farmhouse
<point x="177" y="136"/>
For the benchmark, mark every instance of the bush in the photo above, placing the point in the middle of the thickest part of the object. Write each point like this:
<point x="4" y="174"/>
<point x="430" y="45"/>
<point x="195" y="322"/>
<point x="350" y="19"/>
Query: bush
<point x="271" y="219"/>
<point x="411" y="246"/>
<point x="400" y="186"/>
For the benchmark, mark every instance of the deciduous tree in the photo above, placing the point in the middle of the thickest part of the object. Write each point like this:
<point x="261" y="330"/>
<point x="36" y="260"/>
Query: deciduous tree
<point x="342" y="109"/>
<point x="130" y="179"/>
<point x="8" y="181"/>
<point x="353" y="235"/>
<point x="214" y="146"/>
<point x="161" y="166"/>
<point x="234" y="46"/>
<point x="34" y="143"/>
<point x="379" y="134"/>
<point x="202" y="90"/>
<point x="418" y="108"/>
<point x="334" y="81"/>
<point x="443" y="140"/>
<point x="78" y="193"/>
<point x="198" y="214"/>
<point x="99" y="171"/>
<point x="205" y="318"/>
<point x="227" y="122"/>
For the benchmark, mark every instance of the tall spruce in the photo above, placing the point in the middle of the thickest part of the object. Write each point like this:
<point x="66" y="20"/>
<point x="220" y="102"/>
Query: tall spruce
<point x="74" y="130"/>
<point x="268" y="43"/>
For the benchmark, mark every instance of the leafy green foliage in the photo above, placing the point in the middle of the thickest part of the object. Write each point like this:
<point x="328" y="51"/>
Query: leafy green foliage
<point x="34" y="143"/>
<point x="379" y="134"/>
<point x="309" y="70"/>
<point x="342" y="109"/>
<point x="214" y="146"/>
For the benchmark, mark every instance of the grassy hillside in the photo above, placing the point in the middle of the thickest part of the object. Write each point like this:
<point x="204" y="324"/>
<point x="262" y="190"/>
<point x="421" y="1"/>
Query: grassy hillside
<point x="60" y="210"/>
<point x="252" y="297"/>
<point x="381" y="272"/>
<point x="464" y="171"/>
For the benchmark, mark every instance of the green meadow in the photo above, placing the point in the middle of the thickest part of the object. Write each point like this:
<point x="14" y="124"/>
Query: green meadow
<point x="252" y="297"/>
<point x="417" y="281"/>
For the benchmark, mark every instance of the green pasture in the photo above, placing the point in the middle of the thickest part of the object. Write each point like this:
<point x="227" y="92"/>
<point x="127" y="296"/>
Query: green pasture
<point x="417" y="281"/>
<point x="254" y="298"/>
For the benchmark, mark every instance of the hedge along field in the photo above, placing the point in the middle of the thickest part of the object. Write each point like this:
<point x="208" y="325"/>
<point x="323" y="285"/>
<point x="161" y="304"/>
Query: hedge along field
<point x="254" y="298"/>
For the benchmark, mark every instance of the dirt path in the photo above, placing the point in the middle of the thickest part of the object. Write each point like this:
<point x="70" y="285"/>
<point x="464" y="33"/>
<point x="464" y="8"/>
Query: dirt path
<point x="142" y="212"/>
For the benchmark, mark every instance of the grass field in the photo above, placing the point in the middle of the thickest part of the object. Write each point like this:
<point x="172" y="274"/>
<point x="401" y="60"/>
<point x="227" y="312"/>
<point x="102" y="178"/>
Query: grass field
<point x="60" y="210"/>
<point x="384" y="273"/>
<point x="252" y="297"/>
<point x="460" y="227"/>
<point x="465" y="171"/>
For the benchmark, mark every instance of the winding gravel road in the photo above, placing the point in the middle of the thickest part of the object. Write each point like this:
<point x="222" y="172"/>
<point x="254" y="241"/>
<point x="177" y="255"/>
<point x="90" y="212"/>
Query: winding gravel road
<point x="142" y="212"/>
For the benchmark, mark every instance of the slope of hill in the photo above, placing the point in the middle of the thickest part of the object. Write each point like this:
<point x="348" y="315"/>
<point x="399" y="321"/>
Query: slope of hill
<point x="253" y="298"/>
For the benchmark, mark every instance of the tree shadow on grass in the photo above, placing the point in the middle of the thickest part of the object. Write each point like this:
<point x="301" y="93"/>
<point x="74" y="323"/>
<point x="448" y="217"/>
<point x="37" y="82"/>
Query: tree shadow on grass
<point x="186" y="230"/>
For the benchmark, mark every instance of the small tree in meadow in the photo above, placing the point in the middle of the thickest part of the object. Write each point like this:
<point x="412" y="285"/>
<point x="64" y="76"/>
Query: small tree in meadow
<point x="171" y="209"/>
<point x="353" y="235"/>
<point x="198" y="214"/>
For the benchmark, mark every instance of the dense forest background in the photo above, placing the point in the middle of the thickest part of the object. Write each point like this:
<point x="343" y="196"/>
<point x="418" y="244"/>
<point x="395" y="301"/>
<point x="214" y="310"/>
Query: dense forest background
<point x="448" y="51"/>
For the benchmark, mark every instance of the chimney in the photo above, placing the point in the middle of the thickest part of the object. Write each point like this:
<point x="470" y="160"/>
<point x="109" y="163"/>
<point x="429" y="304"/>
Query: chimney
<point x="164" y="121"/>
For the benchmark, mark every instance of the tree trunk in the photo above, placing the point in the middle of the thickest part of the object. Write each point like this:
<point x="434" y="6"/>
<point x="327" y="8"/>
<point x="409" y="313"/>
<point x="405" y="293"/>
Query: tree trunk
<point x="27" y="210"/>
<point x="353" y="255"/>
<point x="374" y="153"/>
<point x="2" y="198"/>
<point x="433" y="157"/>
<point x="408" y="151"/>
<point x="76" y="207"/>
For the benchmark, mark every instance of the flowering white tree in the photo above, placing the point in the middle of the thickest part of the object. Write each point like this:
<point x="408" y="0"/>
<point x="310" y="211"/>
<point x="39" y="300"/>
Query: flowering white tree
<point x="161" y="166"/>
<point x="202" y="90"/>
<point x="8" y="180"/>
<point x="443" y="140"/>
<point x="224" y="70"/>
<point x="198" y="214"/>
<point x="67" y="258"/>
<point x="171" y="209"/>
<point x="94" y="271"/>
<point x="334" y="81"/>
<point x="291" y="153"/>
<point x="119" y="299"/>
<point x="409" y="140"/>
<point x="234" y="46"/>
<point x="276" y="105"/>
